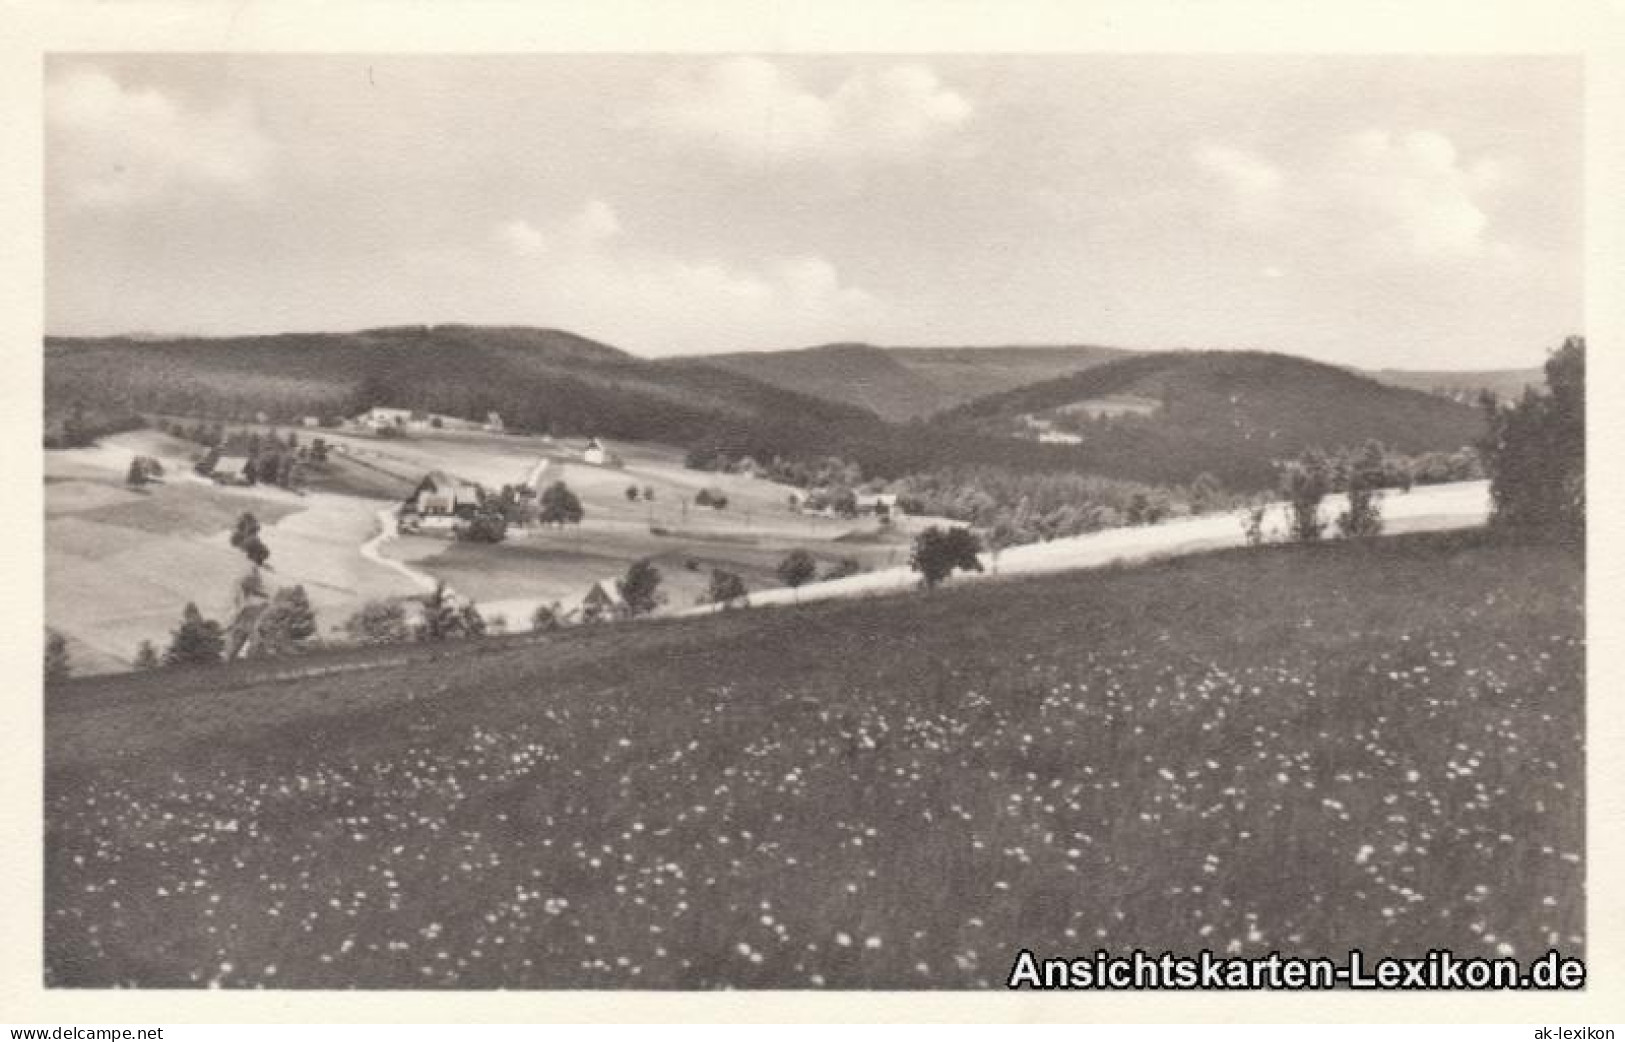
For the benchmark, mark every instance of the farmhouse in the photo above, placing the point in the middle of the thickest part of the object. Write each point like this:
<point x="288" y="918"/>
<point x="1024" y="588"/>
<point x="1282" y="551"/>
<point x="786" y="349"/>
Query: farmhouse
<point x="594" y="453"/>
<point x="380" y="416"/>
<point x="230" y="470"/>
<point x="440" y="501"/>
<point x="603" y="601"/>
<point x="877" y="502"/>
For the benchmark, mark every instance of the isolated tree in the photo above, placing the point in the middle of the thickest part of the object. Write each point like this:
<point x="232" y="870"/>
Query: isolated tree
<point x="797" y="569"/>
<point x="726" y="588"/>
<point x="257" y="551"/>
<point x="136" y="476"/>
<point x="248" y="526"/>
<point x="146" y="656"/>
<point x="559" y="506"/>
<point x="198" y="641"/>
<point x="1363" y="480"/>
<point x="378" y="622"/>
<point x="632" y="493"/>
<point x="937" y="552"/>
<point x="640" y="588"/>
<point x="1534" y="453"/>
<point x="1305" y="483"/>
<point x="57" y="666"/>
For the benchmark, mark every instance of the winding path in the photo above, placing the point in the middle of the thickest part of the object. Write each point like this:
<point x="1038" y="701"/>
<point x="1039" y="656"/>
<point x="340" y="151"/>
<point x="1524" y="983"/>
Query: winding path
<point x="386" y="532"/>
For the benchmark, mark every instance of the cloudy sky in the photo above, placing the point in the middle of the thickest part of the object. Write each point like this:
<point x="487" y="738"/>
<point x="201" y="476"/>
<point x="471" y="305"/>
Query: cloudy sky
<point x="1378" y="211"/>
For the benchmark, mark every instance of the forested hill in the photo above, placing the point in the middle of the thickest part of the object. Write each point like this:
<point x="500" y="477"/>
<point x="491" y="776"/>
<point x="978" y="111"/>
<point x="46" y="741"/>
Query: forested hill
<point x="905" y="383"/>
<point x="1228" y="414"/>
<point x="538" y="380"/>
<point x="1169" y="416"/>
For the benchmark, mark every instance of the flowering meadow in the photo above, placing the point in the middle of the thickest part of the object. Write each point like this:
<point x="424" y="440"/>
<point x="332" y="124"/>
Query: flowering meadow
<point x="1304" y="750"/>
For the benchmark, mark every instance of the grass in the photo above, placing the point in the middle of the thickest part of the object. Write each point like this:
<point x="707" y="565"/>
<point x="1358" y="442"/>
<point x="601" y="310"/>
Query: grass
<point x="1311" y="750"/>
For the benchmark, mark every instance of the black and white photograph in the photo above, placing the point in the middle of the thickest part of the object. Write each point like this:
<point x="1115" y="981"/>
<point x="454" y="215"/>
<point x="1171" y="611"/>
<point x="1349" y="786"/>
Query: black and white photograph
<point x="915" y="521"/>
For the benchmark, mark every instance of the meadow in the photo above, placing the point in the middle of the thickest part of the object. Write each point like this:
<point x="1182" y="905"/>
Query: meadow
<point x="1305" y="749"/>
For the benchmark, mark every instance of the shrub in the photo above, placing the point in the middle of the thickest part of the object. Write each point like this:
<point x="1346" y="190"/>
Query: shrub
<point x="378" y="622"/>
<point x="726" y="588"/>
<point x="841" y="569"/>
<point x="1306" y="482"/>
<point x="197" y="641"/>
<point x="546" y="618"/>
<point x="797" y="568"/>
<point x="1363" y="481"/>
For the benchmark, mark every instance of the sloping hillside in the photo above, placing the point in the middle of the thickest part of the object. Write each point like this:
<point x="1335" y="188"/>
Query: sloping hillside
<point x="894" y="793"/>
<point x="539" y="380"/>
<point x="1227" y="413"/>
<point x="905" y="383"/>
<point x="856" y="374"/>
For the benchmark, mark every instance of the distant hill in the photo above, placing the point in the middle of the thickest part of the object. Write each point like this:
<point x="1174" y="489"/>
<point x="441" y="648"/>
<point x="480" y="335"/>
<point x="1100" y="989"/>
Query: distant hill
<point x="1226" y="413"/>
<point x="1506" y="384"/>
<point x="871" y="378"/>
<point x="537" y="379"/>
<point x="905" y="383"/>
<point x="1170" y="415"/>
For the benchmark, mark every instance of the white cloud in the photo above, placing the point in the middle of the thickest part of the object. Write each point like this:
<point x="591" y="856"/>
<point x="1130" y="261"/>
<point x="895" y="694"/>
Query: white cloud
<point x="1376" y="194"/>
<point x="521" y="238"/>
<point x="112" y="146"/>
<point x="584" y="271"/>
<point x="756" y="112"/>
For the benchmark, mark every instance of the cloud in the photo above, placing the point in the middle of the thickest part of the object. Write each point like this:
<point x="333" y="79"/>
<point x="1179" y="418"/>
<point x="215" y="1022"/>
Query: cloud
<point x="112" y="146"/>
<point x="753" y="111"/>
<point x="1379" y="195"/>
<point x="583" y="270"/>
<point x="520" y="237"/>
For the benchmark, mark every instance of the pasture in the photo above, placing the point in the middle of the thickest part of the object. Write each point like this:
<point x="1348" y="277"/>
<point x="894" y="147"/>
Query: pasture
<point x="1302" y="749"/>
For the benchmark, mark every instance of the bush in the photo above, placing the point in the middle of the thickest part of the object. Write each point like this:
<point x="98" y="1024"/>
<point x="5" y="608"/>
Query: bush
<point x="546" y="618"/>
<point x="198" y="641"/>
<point x="1306" y="482"/>
<point x="1364" y="477"/>
<point x="797" y="568"/>
<point x="378" y="622"/>
<point x="841" y="569"/>
<point x="726" y="588"/>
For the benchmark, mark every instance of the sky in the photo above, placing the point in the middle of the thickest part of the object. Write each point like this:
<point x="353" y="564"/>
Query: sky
<point x="1377" y="211"/>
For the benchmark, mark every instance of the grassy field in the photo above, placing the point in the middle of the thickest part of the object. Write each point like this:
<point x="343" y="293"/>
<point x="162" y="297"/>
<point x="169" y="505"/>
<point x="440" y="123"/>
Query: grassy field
<point x="1314" y="749"/>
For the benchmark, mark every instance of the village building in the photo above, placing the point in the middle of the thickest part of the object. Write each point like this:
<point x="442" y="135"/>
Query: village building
<point x="230" y="470"/>
<point x="603" y="601"/>
<point x="380" y="416"/>
<point x="441" y="501"/>
<point x="594" y="453"/>
<point x="877" y="502"/>
<point x="493" y="423"/>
